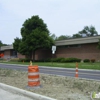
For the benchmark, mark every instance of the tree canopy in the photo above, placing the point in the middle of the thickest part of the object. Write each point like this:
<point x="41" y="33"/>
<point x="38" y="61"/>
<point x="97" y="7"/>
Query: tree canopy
<point x="53" y="36"/>
<point x="86" y="32"/>
<point x="35" y="35"/>
<point x="16" y="43"/>
<point x="63" y="37"/>
<point x="2" y="44"/>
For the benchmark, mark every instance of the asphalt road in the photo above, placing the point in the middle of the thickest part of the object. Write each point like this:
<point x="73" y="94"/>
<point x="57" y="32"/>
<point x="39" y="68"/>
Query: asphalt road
<point x="88" y="74"/>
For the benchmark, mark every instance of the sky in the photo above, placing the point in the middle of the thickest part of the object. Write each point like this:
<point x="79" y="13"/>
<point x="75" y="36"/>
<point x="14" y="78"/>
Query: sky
<point x="62" y="17"/>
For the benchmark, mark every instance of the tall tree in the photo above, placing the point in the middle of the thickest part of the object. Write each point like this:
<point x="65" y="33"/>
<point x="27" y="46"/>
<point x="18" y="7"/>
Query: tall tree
<point x="16" y="43"/>
<point x="62" y="37"/>
<point x="77" y="35"/>
<point x="53" y="36"/>
<point x="93" y="31"/>
<point x="35" y="35"/>
<point x="86" y="32"/>
<point x="2" y="44"/>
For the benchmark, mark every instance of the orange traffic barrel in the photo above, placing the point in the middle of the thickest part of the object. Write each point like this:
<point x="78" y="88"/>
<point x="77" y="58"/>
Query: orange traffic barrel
<point x="33" y="76"/>
<point x="76" y="73"/>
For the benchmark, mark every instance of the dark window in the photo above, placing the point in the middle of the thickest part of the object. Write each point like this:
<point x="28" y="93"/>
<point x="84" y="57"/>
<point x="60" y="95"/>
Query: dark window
<point x="69" y="46"/>
<point x="14" y="53"/>
<point x="62" y="46"/>
<point x="74" y="46"/>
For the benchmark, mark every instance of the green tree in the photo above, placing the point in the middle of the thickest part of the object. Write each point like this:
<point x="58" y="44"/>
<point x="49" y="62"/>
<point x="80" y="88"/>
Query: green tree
<point x="86" y="32"/>
<point x="77" y="35"/>
<point x="35" y="35"/>
<point x="62" y="37"/>
<point x="2" y="44"/>
<point x="53" y="36"/>
<point x="16" y="43"/>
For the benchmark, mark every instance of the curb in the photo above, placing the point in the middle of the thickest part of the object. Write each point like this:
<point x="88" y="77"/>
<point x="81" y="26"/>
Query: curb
<point x="24" y="92"/>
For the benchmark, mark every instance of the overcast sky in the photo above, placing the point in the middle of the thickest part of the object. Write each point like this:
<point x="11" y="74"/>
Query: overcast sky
<point x="63" y="17"/>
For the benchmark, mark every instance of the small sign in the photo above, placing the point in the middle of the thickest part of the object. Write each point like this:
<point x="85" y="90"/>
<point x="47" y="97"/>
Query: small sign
<point x="53" y="49"/>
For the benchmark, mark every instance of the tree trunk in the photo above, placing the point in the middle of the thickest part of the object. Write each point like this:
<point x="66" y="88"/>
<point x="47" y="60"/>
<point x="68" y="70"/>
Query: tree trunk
<point x="30" y="56"/>
<point x="33" y="55"/>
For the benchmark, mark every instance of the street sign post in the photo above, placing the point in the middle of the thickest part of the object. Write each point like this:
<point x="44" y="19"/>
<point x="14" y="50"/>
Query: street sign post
<point x="53" y="49"/>
<point x="53" y="52"/>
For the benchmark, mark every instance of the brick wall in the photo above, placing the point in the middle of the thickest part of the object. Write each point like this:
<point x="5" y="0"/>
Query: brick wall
<point x="20" y="55"/>
<point x="85" y="51"/>
<point x="42" y="54"/>
<point x="7" y="52"/>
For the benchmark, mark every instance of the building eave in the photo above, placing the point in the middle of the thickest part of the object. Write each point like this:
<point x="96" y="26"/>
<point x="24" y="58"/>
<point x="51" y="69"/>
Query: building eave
<point x="6" y="47"/>
<point x="74" y="41"/>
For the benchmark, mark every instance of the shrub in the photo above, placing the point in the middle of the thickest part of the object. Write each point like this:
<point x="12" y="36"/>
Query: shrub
<point x="43" y="60"/>
<point x="86" y="60"/>
<point x="47" y="60"/>
<point x="59" y="59"/>
<point x="92" y="60"/>
<point x="73" y="60"/>
<point x="20" y="60"/>
<point x="24" y="59"/>
<point x="53" y="60"/>
<point x="40" y="60"/>
<point x="14" y="59"/>
<point x="65" y="60"/>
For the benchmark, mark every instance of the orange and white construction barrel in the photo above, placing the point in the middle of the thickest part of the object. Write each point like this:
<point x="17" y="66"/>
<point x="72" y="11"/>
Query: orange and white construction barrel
<point x="33" y="76"/>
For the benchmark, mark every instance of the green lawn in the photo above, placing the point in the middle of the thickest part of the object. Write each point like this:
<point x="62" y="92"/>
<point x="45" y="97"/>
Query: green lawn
<point x="95" y="66"/>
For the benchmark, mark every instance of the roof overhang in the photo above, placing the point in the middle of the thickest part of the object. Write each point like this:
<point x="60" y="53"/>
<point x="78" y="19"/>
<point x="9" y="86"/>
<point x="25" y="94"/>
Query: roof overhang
<point x="6" y="47"/>
<point x="74" y="41"/>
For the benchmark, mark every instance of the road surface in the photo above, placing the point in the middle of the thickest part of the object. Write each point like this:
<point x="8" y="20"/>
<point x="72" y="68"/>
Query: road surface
<point x="89" y="74"/>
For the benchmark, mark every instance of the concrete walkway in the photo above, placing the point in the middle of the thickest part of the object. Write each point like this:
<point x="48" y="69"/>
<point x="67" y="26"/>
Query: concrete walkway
<point x="8" y="92"/>
<point x="5" y="95"/>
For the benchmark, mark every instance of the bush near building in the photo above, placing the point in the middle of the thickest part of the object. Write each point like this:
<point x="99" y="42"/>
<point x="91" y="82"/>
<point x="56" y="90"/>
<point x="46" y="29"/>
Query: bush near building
<point x="86" y="60"/>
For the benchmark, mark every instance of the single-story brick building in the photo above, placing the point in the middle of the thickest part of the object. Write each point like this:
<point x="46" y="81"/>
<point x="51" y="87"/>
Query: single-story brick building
<point x="9" y="52"/>
<point x="83" y="48"/>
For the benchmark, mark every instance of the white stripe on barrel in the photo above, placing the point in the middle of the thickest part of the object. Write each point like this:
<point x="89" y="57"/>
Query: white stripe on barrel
<point x="33" y="80"/>
<point x="35" y="73"/>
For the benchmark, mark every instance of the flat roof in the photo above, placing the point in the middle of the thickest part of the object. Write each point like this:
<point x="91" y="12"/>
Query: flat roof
<point x="84" y="40"/>
<point x="6" y="47"/>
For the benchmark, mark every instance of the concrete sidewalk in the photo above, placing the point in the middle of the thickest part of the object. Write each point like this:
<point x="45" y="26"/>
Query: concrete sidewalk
<point x="8" y="92"/>
<point x="5" y="95"/>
